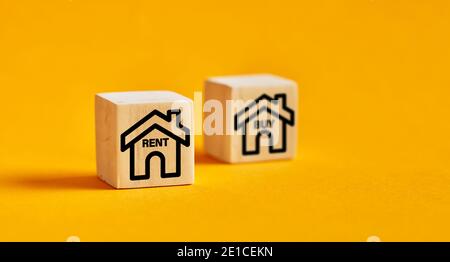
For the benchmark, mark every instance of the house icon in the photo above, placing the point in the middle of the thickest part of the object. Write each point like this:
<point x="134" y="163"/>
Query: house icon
<point x="265" y="117"/>
<point x="169" y="131"/>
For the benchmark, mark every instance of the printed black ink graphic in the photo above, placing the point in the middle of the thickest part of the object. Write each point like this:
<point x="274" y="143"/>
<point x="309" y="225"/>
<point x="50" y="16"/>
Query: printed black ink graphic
<point x="129" y="139"/>
<point x="245" y="117"/>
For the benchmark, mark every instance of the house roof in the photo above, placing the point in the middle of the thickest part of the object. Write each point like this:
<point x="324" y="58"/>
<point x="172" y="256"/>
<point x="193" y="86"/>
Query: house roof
<point x="287" y="114"/>
<point x="129" y="137"/>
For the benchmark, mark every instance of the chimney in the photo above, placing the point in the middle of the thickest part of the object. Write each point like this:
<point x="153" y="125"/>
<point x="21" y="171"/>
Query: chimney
<point x="281" y="99"/>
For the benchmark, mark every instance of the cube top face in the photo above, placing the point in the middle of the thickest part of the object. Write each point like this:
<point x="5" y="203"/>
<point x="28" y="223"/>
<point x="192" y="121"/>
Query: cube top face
<point x="143" y="141"/>
<point x="252" y="81"/>
<point x="262" y="118"/>
<point x="142" y="97"/>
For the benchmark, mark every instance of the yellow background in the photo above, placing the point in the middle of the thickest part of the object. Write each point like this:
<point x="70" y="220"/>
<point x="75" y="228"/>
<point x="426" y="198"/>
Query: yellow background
<point x="374" y="147"/>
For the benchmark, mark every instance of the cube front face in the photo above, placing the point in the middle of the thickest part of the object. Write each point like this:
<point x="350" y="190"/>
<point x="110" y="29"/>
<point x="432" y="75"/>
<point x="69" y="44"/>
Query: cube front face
<point x="263" y="118"/>
<point x="148" y="144"/>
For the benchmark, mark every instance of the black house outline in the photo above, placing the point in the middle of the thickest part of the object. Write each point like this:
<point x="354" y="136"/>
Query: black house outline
<point x="179" y="141"/>
<point x="285" y="121"/>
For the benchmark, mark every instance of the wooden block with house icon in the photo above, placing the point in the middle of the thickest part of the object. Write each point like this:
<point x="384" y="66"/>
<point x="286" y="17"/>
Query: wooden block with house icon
<point x="258" y="113"/>
<point x="144" y="139"/>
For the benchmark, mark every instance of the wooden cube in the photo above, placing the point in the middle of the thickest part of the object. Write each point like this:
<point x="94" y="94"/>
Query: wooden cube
<point x="259" y="114"/>
<point x="144" y="139"/>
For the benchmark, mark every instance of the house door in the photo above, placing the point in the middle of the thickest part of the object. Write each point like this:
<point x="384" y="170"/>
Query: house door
<point x="162" y="163"/>
<point x="264" y="138"/>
